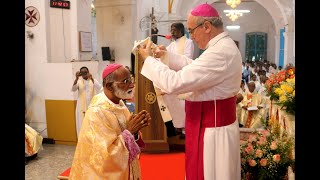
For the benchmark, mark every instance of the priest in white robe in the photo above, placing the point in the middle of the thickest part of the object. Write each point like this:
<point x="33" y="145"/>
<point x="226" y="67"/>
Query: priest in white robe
<point x="87" y="87"/>
<point x="176" y="103"/>
<point x="253" y="108"/>
<point x="109" y="141"/>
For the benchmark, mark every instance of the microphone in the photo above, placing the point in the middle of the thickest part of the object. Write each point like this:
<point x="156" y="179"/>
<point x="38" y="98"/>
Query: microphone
<point x="168" y="36"/>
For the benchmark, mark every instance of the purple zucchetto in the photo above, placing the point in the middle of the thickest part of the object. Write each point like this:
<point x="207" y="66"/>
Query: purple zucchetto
<point x="109" y="69"/>
<point x="205" y="10"/>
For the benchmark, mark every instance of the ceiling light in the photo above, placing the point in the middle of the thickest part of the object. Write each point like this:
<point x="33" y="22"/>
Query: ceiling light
<point x="234" y="14"/>
<point x="233" y="27"/>
<point x="233" y="3"/>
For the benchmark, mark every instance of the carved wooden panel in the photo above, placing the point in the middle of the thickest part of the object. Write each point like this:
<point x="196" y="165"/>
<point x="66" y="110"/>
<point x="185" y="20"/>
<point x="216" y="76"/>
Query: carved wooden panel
<point x="154" y="135"/>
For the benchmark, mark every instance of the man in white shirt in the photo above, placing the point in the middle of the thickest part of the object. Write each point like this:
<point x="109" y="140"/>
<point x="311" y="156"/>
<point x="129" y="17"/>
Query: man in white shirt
<point x="212" y="131"/>
<point x="180" y="44"/>
<point x="256" y="81"/>
<point x="176" y="104"/>
<point x="87" y="87"/>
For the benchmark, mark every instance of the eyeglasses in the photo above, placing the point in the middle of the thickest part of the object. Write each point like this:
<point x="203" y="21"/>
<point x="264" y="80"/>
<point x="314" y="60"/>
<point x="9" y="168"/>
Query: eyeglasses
<point x="191" y="30"/>
<point x="83" y="73"/>
<point x="126" y="81"/>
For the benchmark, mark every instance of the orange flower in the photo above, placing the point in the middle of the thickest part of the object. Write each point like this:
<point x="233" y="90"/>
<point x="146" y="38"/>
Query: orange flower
<point x="263" y="162"/>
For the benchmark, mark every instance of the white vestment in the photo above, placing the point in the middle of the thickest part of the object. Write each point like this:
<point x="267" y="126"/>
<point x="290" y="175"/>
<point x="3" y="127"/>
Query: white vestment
<point x="33" y="141"/>
<point x="86" y="90"/>
<point x="215" y="74"/>
<point x="255" y="100"/>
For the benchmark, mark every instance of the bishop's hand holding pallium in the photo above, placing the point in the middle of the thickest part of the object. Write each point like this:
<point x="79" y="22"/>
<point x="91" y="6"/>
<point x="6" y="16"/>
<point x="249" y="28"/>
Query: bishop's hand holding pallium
<point x="147" y="48"/>
<point x="159" y="51"/>
<point x="138" y="121"/>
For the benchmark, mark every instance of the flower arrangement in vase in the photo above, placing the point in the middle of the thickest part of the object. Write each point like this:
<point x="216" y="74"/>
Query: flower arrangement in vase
<point x="267" y="154"/>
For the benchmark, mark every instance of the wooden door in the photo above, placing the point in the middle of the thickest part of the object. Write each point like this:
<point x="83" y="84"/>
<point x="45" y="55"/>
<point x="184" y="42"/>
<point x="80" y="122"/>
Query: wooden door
<point x="155" y="135"/>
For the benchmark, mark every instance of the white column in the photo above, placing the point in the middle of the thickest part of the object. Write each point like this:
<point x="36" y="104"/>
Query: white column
<point x="276" y="49"/>
<point x="80" y="20"/>
<point x="288" y="48"/>
<point x="74" y="42"/>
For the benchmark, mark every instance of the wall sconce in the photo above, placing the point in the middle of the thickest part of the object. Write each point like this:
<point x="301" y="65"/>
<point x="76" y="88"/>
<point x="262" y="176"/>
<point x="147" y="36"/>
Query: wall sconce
<point x="29" y="35"/>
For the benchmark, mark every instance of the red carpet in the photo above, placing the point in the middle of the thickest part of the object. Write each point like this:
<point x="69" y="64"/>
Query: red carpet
<point x="167" y="166"/>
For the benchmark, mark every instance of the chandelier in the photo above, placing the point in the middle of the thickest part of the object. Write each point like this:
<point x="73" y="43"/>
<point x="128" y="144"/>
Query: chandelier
<point x="234" y="14"/>
<point x="233" y="3"/>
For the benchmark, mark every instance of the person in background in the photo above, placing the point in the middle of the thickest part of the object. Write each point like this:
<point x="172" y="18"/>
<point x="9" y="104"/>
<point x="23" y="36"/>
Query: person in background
<point x="213" y="80"/>
<point x="262" y="89"/>
<point x="176" y="103"/>
<point x="251" y="118"/>
<point x="256" y="81"/>
<point x="87" y="87"/>
<point x="130" y="103"/>
<point x="243" y="66"/>
<point x="180" y="44"/>
<point x="238" y="107"/>
<point x="243" y="87"/>
<point x="110" y="139"/>
<point x="289" y="66"/>
<point x="33" y="143"/>
<point x="246" y="74"/>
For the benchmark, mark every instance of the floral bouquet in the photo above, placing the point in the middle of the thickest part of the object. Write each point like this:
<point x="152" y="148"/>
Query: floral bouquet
<point x="281" y="88"/>
<point x="266" y="154"/>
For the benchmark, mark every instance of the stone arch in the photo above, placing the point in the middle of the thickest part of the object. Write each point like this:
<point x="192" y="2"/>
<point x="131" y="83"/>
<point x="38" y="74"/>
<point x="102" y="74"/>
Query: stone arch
<point x="273" y="7"/>
<point x="278" y="14"/>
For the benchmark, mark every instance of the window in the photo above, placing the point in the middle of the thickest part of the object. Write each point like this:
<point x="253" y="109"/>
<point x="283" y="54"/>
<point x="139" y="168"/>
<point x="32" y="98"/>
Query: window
<point x="256" y="46"/>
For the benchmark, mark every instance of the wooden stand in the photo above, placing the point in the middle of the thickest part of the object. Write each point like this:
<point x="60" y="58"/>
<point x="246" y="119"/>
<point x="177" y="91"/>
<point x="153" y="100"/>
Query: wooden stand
<point x="154" y="136"/>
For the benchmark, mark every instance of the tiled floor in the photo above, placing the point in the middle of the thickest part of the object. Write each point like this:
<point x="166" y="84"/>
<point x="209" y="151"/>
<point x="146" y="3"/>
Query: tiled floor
<point x="50" y="162"/>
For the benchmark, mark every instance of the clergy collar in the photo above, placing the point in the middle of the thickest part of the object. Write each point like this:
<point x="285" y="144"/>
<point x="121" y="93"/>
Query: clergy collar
<point x="179" y="38"/>
<point x="214" y="40"/>
<point x="120" y="105"/>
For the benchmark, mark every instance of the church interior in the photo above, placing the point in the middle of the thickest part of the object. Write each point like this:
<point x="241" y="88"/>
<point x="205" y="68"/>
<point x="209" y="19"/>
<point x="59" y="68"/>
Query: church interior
<point x="69" y="35"/>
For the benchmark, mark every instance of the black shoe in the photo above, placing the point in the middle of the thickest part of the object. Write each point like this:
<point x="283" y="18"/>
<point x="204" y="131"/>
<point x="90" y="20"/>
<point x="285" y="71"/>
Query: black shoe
<point x="171" y="131"/>
<point x="178" y="131"/>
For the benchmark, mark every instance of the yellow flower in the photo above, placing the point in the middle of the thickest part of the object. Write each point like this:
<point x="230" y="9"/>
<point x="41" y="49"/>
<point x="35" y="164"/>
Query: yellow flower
<point x="279" y="91"/>
<point x="294" y="93"/>
<point x="291" y="81"/>
<point x="287" y="88"/>
<point x="283" y="98"/>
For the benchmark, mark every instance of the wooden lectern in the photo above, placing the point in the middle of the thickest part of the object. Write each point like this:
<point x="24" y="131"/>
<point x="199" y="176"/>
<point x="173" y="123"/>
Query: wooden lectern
<point x="154" y="135"/>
